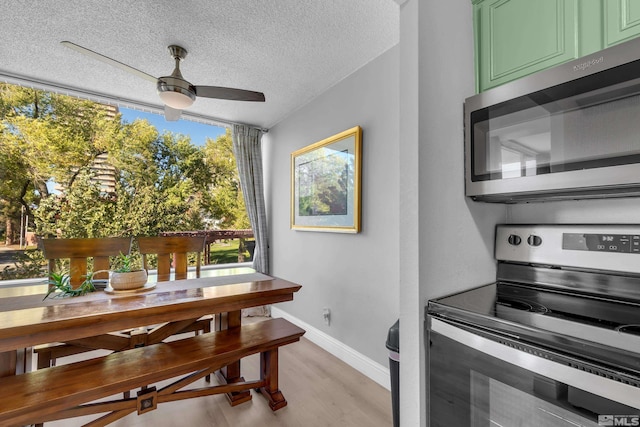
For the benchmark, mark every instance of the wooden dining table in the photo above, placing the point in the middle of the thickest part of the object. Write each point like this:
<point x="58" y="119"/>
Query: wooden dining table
<point x="27" y="320"/>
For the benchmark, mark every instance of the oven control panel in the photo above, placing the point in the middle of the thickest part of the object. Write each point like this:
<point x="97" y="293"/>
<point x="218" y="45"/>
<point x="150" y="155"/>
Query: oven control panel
<point x="625" y="243"/>
<point x="602" y="247"/>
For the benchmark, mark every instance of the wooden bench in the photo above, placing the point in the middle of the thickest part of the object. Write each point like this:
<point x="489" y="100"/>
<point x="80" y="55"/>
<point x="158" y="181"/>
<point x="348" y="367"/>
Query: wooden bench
<point x="65" y="391"/>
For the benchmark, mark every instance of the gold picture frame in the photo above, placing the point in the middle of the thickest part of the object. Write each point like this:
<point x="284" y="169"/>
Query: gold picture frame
<point x="325" y="184"/>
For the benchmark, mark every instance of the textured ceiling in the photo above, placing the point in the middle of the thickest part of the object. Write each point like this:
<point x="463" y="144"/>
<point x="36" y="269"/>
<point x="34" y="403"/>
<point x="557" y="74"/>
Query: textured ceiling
<point x="292" y="50"/>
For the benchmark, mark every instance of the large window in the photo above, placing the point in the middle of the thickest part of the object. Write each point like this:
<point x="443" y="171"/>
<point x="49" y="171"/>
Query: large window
<point x="72" y="168"/>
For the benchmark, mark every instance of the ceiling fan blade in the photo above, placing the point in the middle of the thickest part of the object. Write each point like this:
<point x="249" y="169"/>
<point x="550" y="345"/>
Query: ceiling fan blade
<point x="109" y="61"/>
<point x="229" y="93"/>
<point x="171" y="114"/>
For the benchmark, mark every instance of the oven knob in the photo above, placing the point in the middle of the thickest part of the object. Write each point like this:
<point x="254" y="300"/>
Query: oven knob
<point x="514" y="239"/>
<point x="534" y="240"/>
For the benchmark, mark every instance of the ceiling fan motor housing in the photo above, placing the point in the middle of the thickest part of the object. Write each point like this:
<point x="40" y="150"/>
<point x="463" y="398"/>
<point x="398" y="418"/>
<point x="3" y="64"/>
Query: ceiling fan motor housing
<point x="173" y="90"/>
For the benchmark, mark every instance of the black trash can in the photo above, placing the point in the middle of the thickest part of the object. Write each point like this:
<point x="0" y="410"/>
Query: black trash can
<point x="393" y="344"/>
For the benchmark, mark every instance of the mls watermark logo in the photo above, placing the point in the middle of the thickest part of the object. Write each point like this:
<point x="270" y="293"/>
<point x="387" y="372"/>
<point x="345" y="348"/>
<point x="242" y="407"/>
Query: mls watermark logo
<point x="619" y="420"/>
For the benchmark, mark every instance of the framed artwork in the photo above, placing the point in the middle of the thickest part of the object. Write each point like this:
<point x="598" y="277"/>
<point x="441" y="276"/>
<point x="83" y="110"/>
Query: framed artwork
<point x="325" y="184"/>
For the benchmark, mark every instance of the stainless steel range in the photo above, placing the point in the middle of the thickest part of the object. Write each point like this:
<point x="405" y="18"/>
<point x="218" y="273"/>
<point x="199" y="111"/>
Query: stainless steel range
<point x="555" y="341"/>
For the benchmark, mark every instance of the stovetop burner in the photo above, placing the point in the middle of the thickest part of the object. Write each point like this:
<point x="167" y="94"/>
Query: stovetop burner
<point x="567" y="306"/>
<point x="519" y="302"/>
<point x="529" y="306"/>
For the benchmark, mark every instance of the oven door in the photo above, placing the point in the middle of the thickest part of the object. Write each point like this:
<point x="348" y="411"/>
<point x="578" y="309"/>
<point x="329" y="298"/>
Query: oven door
<point x="477" y="381"/>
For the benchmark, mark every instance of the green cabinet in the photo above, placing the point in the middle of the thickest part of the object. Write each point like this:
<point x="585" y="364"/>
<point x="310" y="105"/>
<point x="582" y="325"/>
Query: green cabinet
<point x="621" y="21"/>
<point x="514" y="38"/>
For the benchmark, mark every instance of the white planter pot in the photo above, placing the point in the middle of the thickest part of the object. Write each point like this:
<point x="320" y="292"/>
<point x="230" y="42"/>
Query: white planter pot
<point x="128" y="280"/>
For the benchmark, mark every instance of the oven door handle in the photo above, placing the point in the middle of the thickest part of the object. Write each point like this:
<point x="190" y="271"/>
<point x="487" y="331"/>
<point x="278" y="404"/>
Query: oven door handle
<point x="610" y="389"/>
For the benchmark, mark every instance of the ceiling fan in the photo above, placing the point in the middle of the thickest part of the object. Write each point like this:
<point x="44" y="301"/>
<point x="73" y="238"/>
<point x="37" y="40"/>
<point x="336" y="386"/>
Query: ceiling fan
<point x="175" y="92"/>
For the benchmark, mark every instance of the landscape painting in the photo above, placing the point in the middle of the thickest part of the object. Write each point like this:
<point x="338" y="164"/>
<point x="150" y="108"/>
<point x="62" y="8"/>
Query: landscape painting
<point x="326" y="184"/>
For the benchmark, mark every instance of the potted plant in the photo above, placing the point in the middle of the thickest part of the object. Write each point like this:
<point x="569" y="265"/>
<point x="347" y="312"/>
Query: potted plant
<point x="125" y="274"/>
<point x="61" y="282"/>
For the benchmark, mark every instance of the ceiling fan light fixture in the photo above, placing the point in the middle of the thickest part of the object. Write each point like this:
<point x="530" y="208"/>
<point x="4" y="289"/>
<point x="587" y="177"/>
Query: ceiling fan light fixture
<point x="176" y="93"/>
<point x="176" y="100"/>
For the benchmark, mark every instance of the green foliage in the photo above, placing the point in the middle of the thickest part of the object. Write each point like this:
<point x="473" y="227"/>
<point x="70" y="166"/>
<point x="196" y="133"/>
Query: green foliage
<point x="61" y="282"/>
<point x="163" y="182"/>
<point x="125" y="263"/>
<point x="81" y="212"/>
<point x="44" y="137"/>
<point x="15" y="181"/>
<point x="226" y="202"/>
<point x="54" y="133"/>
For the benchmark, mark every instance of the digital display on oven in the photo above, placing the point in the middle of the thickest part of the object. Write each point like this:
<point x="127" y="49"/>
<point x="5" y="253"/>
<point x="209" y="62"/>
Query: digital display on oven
<point x="625" y="243"/>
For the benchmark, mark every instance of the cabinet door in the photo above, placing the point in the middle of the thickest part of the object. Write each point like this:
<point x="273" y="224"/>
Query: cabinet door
<point x="518" y="37"/>
<point x="622" y="21"/>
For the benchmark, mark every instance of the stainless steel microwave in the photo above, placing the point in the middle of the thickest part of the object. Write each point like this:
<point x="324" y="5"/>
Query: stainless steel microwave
<point x="569" y="132"/>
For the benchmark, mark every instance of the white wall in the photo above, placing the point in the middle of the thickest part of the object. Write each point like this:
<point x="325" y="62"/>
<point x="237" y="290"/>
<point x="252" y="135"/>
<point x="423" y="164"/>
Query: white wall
<point x="354" y="275"/>
<point x="447" y="240"/>
<point x="608" y="211"/>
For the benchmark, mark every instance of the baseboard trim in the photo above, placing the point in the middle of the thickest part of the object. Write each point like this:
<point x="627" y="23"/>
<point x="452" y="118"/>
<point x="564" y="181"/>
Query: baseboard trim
<point x="358" y="361"/>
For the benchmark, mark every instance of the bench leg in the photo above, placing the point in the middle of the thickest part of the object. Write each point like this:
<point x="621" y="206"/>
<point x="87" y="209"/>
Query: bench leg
<point x="206" y="329"/>
<point x="15" y="362"/>
<point x="269" y="373"/>
<point x="231" y="373"/>
<point x="235" y="397"/>
<point x="8" y="363"/>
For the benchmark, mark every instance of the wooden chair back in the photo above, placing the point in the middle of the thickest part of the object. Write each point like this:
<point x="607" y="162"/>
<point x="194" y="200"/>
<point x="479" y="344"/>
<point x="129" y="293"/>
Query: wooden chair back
<point x="79" y="250"/>
<point x="166" y="247"/>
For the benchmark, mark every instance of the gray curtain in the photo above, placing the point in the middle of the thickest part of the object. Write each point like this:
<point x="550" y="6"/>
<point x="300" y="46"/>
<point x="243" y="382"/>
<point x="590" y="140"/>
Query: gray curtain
<point x="248" y="152"/>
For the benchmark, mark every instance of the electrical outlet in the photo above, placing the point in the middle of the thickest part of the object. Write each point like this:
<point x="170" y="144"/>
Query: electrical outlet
<point x="326" y="315"/>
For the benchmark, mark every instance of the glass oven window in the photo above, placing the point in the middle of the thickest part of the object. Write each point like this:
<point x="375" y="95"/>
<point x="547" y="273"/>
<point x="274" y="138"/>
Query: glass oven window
<point x="509" y="406"/>
<point x="468" y="387"/>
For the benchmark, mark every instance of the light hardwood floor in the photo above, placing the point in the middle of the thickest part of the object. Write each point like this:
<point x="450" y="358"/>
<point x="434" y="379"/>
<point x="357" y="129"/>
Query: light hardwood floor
<point x="321" y="391"/>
